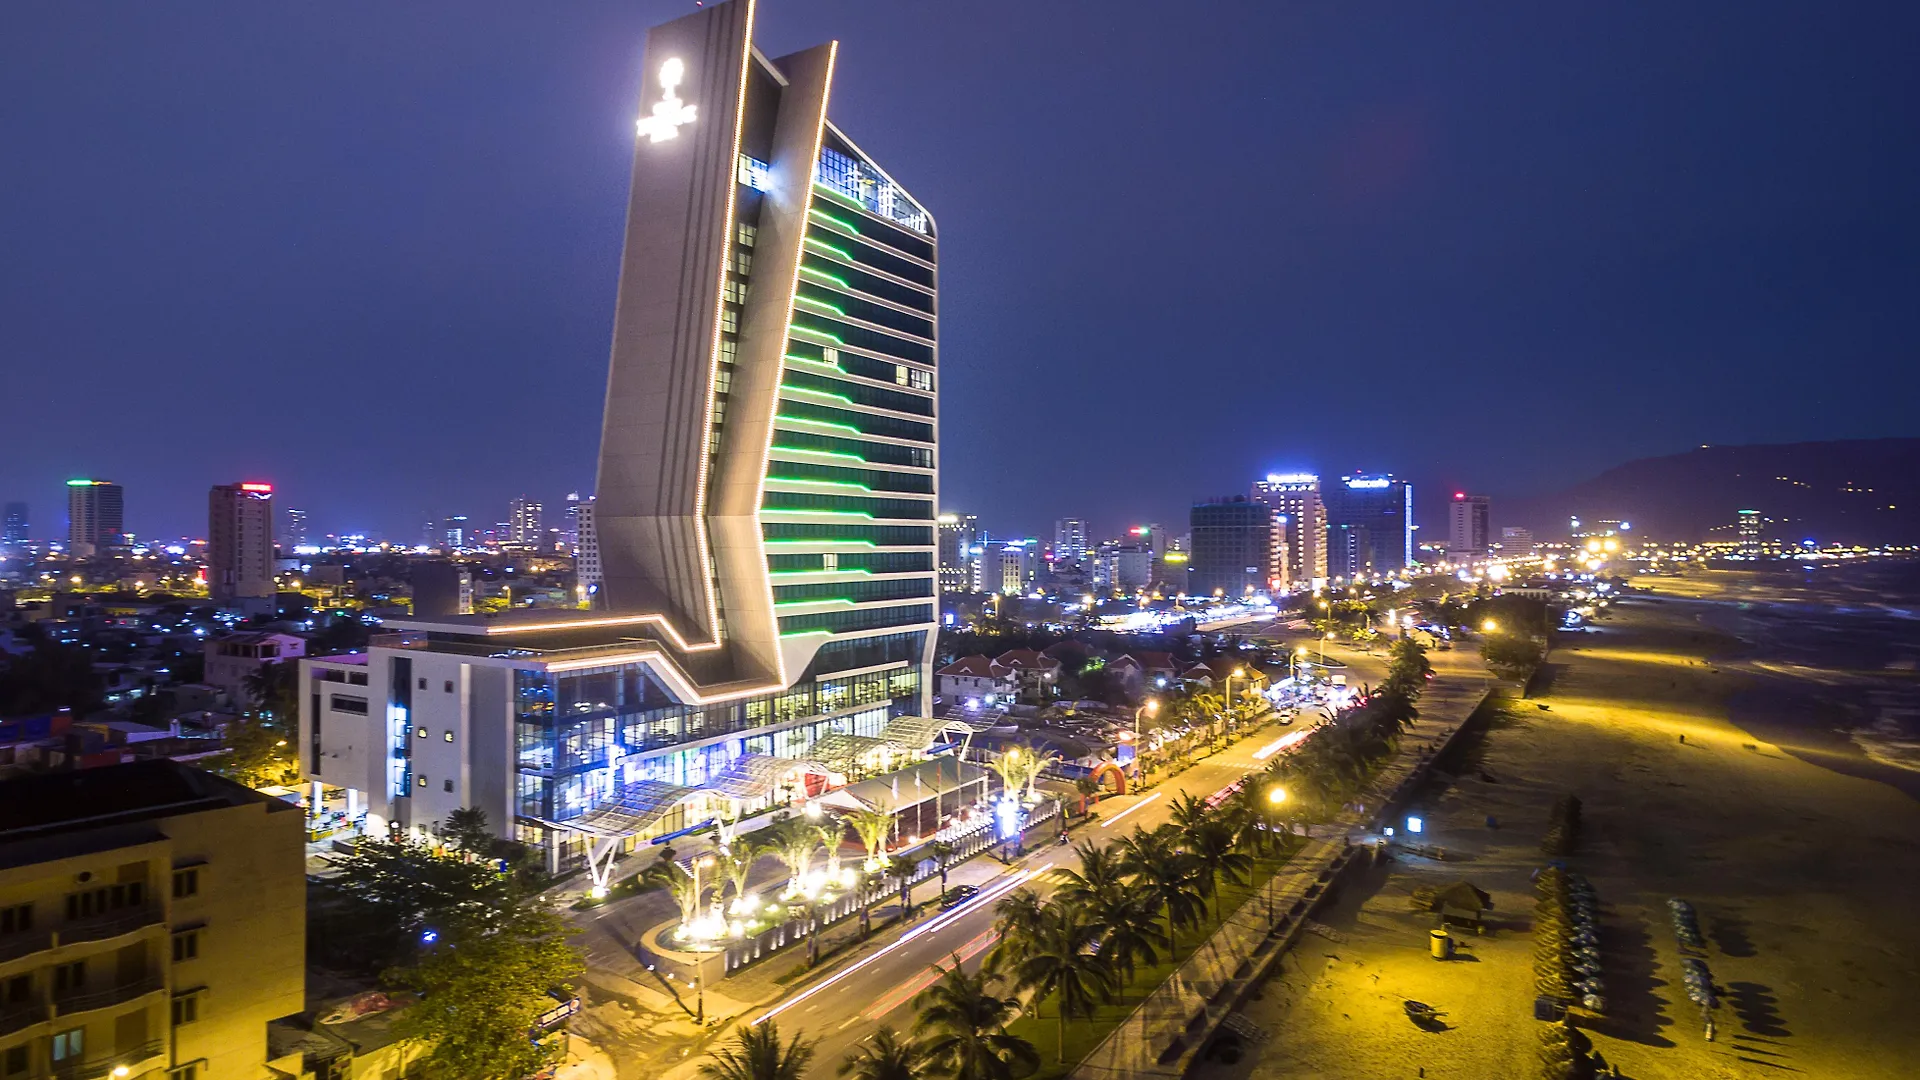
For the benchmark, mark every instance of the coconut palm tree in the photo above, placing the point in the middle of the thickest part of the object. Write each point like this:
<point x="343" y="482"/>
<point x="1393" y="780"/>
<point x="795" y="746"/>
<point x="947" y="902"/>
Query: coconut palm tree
<point x="963" y="1023"/>
<point x="1062" y="963"/>
<point x="831" y="837"/>
<point x="888" y="1055"/>
<point x="756" y="1052"/>
<point x="736" y="865"/>
<point x="1010" y="766"/>
<point x="1188" y="812"/>
<point x="1102" y="875"/>
<point x="871" y="826"/>
<point x="1016" y="918"/>
<point x="943" y="853"/>
<point x="1131" y="929"/>
<point x="793" y="842"/>
<point x="1163" y="875"/>
<point x="1212" y="847"/>
<point x="1037" y="764"/>
<point x="684" y="888"/>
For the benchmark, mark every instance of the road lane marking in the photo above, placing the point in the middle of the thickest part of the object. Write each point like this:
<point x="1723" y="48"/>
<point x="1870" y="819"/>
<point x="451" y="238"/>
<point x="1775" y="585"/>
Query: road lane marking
<point x="1131" y="809"/>
<point x="985" y="895"/>
<point x="903" y="993"/>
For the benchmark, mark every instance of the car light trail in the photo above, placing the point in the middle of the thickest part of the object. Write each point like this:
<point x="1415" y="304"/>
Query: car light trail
<point x="986" y="896"/>
<point x="1131" y="809"/>
<point x="1291" y="739"/>
<point x="908" y="989"/>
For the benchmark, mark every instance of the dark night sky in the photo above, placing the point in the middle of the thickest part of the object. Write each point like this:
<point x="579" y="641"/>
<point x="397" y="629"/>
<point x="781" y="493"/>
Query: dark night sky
<point x="368" y="250"/>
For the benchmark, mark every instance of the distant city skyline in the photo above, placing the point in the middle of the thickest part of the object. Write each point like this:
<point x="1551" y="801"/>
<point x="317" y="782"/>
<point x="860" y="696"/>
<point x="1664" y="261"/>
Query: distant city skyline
<point x="1700" y="212"/>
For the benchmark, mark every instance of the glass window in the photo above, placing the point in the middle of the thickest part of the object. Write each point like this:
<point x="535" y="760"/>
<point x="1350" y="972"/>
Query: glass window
<point x="69" y="1044"/>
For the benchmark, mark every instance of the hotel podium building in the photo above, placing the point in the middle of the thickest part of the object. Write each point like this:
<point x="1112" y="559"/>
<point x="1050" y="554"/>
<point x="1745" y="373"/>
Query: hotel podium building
<point x="764" y="509"/>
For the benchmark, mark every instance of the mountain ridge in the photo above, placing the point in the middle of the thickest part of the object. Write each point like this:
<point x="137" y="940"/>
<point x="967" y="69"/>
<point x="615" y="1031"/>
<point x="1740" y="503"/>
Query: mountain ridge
<point x="1848" y="491"/>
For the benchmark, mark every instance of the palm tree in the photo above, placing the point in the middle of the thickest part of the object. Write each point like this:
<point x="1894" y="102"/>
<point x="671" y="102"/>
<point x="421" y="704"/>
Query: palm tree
<point x="685" y="889"/>
<point x="1132" y="933"/>
<point x="886" y="1056"/>
<point x="1010" y="765"/>
<point x="831" y="837"/>
<point x="1163" y="875"/>
<point x="1211" y="846"/>
<point x="1060" y="962"/>
<point x="1016" y="918"/>
<point x="872" y="826"/>
<point x="793" y="841"/>
<point x="963" y="1022"/>
<point x="1188" y="812"/>
<point x="757" y="1053"/>
<point x="1102" y="875"/>
<point x="902" y="868"/>
<point x="1037" y="764"/>
<point x="736" y="865"/>
<point x="942" y="852"/>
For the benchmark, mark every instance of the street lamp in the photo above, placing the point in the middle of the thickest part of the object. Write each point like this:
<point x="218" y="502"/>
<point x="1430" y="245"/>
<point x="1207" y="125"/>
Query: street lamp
<point x="1150" y="707"/>
<point x="1276" y="795"/>
<point x="1490" y="626"/>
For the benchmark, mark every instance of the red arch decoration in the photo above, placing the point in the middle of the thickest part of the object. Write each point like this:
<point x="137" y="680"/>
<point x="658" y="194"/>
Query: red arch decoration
<point x="1107" y="769"/>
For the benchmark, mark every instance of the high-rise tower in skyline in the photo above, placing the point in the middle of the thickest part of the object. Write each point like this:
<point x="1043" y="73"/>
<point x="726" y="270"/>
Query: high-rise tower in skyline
<point x="1369" y="526"/>
<point x="764" y="506"/>
<point x="14" y="531"/>
<point x="1469" y="531"/>
<point x="240" y="542"/>
<point x="523" y="524"/>
<point x="1070" y="540"/>
<point x="1297" y="497"/>
<point x="95" y="522"/>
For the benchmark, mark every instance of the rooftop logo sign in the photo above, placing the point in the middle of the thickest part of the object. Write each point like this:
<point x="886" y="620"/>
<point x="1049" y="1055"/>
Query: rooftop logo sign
<point x="669" y="112"/>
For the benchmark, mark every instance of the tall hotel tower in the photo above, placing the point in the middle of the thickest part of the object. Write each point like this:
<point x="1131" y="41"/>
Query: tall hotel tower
<point x="764" y="509"/>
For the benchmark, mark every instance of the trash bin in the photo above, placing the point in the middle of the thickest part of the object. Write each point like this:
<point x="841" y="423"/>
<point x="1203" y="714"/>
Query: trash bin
<point x="1440" y="944"/>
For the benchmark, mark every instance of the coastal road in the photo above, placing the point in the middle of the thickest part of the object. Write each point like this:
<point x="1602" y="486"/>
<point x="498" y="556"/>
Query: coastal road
<point x="848" y="1006"/>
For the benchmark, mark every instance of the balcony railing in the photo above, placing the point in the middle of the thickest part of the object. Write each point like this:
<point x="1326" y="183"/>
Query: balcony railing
<point x="25" y="943"/>
<point x="111" y="925"/>
<point x="24" y="1014"/>
<point x="93" y="1068"/>
<point x="69" y="1004"/>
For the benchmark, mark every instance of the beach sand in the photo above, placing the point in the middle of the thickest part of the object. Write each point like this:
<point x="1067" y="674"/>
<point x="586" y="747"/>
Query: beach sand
<point x="1800" y="873"/>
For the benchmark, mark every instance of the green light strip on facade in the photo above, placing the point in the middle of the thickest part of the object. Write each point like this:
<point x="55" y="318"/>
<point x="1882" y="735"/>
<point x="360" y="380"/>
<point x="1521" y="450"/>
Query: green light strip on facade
<point x="848" y="570"/>
<point x="816" y="513"/>
<point x="824" y="276"/>
<point x="818" y="423"/>
<point x="796" y="329"/>
<point x="807" y="633"/>
<point x="837" y="310"/>
<point x="838" y="194"/>
<point x="824" y="246"/>
<point x="820" y="453"/>
<point x="810" y="480"/>
<point x="844" y="543"/>
<point x="824" y="216"/>
<point x="836" y="601"/>
<point x="835" y="368"/>
<point x="818" y="393"/>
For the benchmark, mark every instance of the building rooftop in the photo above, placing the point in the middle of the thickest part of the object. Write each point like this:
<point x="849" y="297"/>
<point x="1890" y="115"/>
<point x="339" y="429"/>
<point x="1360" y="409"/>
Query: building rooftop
<point x="49" y="803"/>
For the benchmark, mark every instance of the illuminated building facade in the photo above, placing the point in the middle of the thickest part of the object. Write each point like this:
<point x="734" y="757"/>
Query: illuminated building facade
<point x="95" y="517"/>
<point x="1236" y="546"/>
<point x="957" y="554"/>
<point x="1469" y="527"/>
<point x="240" y="543"/>
<point x="1297" y="497"/>
<point x="764" y="510"/>
<point x="1369" y="526"/>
